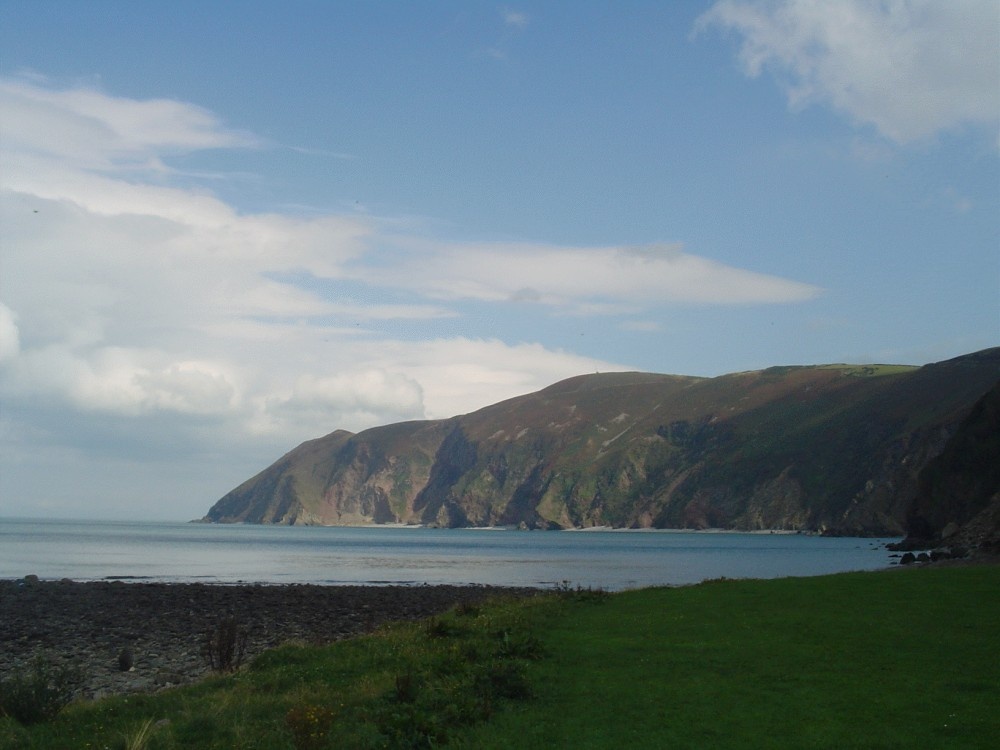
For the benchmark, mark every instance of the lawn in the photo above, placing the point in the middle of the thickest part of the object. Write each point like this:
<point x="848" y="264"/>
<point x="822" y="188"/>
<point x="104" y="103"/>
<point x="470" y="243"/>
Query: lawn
<point x="894" y="659"/>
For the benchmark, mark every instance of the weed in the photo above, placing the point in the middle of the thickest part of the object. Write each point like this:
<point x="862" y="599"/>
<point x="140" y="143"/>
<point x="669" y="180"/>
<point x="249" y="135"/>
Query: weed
<point x="503" y="679"/>
<point x="38" y="693"/>
<point x="225" y="646"/>
<point x="563" y="587"/>
<point x="519" y="644"/>
<point x="407" y="687"/>
<point x="410" y="727"/>
<point x="438" y="627"/>
<point x="467" y="609"/>
<point x="310" y="725"/>
<point x="140" y="739"/>
<point x="580" y="594"/>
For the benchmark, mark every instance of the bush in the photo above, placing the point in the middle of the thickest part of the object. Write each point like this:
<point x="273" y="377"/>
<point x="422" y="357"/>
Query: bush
<point x="519" y="644"/>
<point x="504" y="679"/>
<point x="225" y="646"/>
<point x="38" y="693"/>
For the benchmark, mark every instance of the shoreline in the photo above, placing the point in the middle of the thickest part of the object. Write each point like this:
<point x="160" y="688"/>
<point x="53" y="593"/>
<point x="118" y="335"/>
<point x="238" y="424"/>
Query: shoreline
<point x="418" y="527"/>
<point x="87" y="624"/>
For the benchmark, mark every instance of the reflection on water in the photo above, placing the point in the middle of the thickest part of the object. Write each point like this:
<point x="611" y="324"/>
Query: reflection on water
<point x="613" y="560"/>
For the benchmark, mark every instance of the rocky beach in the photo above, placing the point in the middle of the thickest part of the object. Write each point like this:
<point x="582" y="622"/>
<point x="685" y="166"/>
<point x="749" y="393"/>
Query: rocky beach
<point x="141" y="637"/>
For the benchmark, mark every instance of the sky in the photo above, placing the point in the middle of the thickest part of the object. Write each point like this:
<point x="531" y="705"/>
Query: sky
<point x="229" y="227"/>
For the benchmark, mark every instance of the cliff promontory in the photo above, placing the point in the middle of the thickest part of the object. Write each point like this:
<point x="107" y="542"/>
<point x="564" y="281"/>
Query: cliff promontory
<point x="834" y="449"/>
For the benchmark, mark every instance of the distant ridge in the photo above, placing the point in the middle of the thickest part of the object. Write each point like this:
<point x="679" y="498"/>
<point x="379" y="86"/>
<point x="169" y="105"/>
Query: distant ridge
<point x="835" y="449"/>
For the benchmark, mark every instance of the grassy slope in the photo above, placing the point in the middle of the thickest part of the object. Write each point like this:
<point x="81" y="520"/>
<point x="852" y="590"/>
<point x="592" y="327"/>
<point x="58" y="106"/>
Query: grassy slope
<point x="870" y="660"/>
<point x="874" y="660"/>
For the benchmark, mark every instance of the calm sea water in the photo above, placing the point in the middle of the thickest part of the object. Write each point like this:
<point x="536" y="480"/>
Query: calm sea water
<point x="613" y="560"/>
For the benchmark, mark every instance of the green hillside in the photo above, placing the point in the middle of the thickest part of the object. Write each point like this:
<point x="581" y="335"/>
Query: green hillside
<point x="831" y="448"/>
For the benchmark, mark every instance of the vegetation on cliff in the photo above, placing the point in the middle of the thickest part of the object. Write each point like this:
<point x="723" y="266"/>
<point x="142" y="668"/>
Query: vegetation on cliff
<point x="834" y="449"/>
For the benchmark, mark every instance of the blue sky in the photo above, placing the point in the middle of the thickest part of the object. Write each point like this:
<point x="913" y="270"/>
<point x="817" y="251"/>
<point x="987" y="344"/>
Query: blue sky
<point x="230" y="227"/>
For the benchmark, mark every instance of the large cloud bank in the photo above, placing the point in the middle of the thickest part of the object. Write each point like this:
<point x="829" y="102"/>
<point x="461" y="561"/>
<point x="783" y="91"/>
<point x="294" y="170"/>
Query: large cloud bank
<point x="131" y="290"/>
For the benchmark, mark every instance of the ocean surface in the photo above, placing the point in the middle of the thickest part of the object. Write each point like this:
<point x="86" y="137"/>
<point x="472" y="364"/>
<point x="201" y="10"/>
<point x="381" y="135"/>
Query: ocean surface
<point x="612" y="560"/>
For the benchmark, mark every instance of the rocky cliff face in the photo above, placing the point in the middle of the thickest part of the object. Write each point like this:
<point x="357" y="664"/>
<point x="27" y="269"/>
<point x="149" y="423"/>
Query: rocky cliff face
<point x="836" y="449"/>
<point x="958" y="493"/>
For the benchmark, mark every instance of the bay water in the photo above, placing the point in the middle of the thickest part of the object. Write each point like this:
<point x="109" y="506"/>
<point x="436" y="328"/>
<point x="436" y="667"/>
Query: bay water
<point x="226" y="554"/>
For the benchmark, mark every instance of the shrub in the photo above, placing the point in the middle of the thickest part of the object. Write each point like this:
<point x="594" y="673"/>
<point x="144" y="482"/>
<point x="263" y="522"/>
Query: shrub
<point x="225" y="646"/>
<point x="38" y="693"/>
<point x="519" y="644"/>
<point x="504" y="679"/>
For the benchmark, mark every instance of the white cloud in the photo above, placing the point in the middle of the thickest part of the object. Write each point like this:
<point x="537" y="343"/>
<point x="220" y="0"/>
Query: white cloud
<point x="580" y="278"/>
<point x="360" y="397"/>
<point x="462" y="374"/>
<point x="136" y="310"/>
<point x="911" y="68"/>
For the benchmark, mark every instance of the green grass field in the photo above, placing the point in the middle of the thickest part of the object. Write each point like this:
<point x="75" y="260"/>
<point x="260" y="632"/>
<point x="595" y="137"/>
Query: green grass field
<point x="897" y="659"/>
<point x="867" y="371"/>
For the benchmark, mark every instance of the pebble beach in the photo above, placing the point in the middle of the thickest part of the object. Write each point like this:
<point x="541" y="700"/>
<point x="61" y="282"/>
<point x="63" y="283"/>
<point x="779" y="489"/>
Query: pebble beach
<point x="163" y="626"/>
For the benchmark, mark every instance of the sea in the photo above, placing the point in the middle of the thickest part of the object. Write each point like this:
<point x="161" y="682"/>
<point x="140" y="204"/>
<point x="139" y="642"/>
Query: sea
<point x="612" y="560"/>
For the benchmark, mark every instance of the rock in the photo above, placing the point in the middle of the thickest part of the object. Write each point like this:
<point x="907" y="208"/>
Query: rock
<point x="125" y="660"/>
<point x="908" y="559"/>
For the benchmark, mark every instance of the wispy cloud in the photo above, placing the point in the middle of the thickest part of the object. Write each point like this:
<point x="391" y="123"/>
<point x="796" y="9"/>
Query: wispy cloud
<point x="86" y="128"/>
<point x="515" y="18"/>
<point x="567" y="277"/>
<point x="641" y="326"/>
<point x="955" y="202"/>
<point x="910" y="68"/>
<point x="322" y="152"/>
<point x="514" y="21"/>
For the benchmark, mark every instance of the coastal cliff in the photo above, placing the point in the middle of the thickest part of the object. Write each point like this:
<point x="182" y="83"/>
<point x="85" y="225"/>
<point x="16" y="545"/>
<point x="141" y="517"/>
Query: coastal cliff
<point x="958" y="496"/>
<point x="835" y="449"/>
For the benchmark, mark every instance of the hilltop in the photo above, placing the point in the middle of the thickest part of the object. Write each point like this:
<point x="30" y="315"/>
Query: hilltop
<point x="834" y="449"/>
